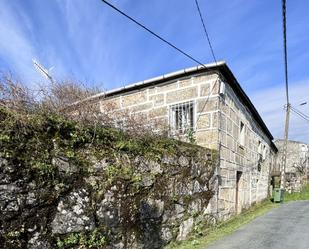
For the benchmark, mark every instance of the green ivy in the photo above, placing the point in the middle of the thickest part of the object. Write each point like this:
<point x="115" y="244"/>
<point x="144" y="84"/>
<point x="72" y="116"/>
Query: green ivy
<point x="95" y="239"/>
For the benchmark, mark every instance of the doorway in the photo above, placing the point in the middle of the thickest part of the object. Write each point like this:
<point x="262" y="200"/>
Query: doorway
<point x="238" y="177"/>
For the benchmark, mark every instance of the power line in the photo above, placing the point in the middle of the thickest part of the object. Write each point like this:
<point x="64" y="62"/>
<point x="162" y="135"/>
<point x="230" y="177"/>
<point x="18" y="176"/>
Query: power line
<point x="205" y="30"/>
<point x="299" y="113"/>
<point x="167" y="42"/>
<point x="153" y="33"/>
<point x="212" y="52"/>
<point x="285" y="51"/>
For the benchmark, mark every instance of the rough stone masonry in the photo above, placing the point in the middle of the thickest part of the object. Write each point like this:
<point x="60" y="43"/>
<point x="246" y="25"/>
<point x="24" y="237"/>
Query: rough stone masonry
<point x="113" y="192"/>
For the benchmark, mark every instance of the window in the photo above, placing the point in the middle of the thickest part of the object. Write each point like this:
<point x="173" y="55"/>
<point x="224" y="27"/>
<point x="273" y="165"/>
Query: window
<point x="182" y="117"/>
<point x="264" y="152"/>
<point x="242" y="134"/>
<point x="260" y="147"/>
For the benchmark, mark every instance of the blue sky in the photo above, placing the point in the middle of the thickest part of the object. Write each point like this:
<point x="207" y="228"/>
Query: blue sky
<point x="88" y="41"/>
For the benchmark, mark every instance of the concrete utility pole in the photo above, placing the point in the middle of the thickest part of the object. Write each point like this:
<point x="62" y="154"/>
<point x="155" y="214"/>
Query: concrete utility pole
<point x="285" y="146"/>
<point x="288" y="105"/>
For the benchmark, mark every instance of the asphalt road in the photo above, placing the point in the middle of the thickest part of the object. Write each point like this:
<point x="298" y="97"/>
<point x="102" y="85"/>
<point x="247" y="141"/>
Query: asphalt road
<point x="286" y="227"/>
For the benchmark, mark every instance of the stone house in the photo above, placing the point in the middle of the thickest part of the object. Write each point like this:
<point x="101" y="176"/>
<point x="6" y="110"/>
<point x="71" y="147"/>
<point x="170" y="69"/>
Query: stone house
<point x="209" y="104"/>
<point x="297" y="164"/>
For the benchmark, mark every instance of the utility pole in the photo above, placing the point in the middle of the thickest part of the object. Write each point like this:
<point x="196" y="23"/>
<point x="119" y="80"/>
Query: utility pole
<point x="288" y="105"/>
<point x="285" y="146"/>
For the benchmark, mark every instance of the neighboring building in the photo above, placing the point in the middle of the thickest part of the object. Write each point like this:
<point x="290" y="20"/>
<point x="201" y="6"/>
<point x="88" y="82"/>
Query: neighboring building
<point x="211" y="103"/>
<point x="297" y="164"/>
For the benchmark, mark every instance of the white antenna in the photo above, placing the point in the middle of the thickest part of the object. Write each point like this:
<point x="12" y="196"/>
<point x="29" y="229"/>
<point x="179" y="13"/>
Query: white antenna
<point x="43" y="71"/>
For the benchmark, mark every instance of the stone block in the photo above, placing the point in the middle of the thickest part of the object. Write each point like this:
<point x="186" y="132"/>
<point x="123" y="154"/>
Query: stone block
<point x="213" y="146"/>
<point x="233" y="115"/>
<point x="230" y="142"/>
<point x="235" y="131"/>
<point x="72" y="214"/>
<point x="237" y="159"/>
<point x="215" y="86"/>
<point x="205" y="78"/>
<point x="134" y="98"/>
<point x="204" y="121"/>
<point x="207" y="104"/>
<point x="225" y="153"/>
<point x="167" y="87"/>
<point x="229" y="125"/>
<point x="110" y="104"/>
<point x="158" y="112"/>
<point x="185" y="82"/>
<point x="64" y="166"/>
<point x="214" y="120"/>
<point x="142" y="107"/>
<point x="185" y="228"/>
<point x="157" y="99"/>
<point x="181" y="95"/>
<point x="210" y="88"/>
<point x="205" y="89"/>
<point x="152" y="90"/>
<point x="223" y="122"/>
<point x="222" y="138"/>
<point x="209" y="136"/>
<point x="225" y="108"/>
<point x="224" y="194"/>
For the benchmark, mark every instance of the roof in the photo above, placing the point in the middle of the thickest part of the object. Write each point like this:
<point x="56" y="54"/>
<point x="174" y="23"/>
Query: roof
<point x="220" y="66"/>
<point x="156" y="80"/>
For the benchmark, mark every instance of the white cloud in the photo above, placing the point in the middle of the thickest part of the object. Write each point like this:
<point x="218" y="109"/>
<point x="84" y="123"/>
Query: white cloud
<point x="15" y="47"/>
<point x="270" y="101"/>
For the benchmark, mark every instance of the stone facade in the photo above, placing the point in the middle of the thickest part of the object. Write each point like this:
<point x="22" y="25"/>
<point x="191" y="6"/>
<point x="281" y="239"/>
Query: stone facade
<point x="246" y="159"/>
<point x="153" y="104"/>
<point x="223" y="121"/>
<point x="297" y="164"/>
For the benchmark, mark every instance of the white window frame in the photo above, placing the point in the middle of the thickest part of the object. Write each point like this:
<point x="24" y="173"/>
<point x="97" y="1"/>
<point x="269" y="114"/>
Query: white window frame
<point x="179" y="124"/>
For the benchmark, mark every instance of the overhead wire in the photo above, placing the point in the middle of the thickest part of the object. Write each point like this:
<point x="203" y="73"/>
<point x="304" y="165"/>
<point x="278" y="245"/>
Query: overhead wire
<point x="305" y="115"/>
<point x="205" y="30"/>
<point x="169" y="43"/>
<point x="154" y="34"/>
<point x="299" y="113"/>
<point x="212" y="52"/>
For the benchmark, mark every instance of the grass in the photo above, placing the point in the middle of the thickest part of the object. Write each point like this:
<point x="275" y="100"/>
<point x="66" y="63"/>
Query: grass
<point x="298" y="196"/>
<point x="224" y="228"/>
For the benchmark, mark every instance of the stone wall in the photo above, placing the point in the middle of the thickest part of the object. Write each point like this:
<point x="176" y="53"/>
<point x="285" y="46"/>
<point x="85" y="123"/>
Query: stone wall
<point x="217" y="125"/>
<point x="64" y="186"/>
<point x="252" y="157"/>
<point x="153" y="103"/>
<point x="297" y="164"/>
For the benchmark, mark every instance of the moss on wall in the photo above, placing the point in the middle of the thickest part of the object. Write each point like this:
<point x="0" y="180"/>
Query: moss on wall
<point x="68" y="185"/>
